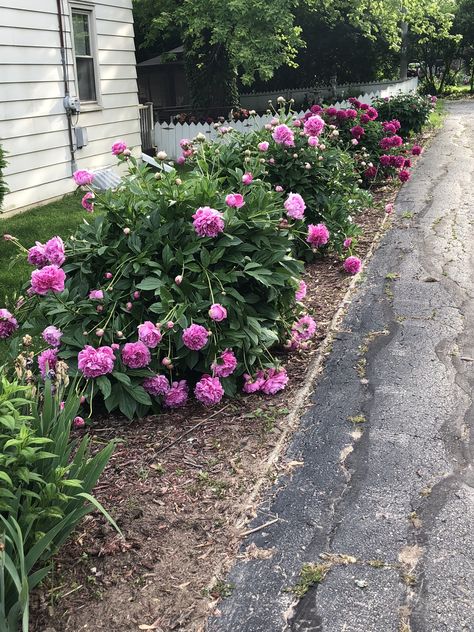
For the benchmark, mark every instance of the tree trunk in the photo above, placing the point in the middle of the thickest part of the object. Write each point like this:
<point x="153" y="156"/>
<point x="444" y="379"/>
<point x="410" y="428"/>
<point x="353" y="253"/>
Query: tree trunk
<point x="472" y="77"/>
<point x="404" y="52"/>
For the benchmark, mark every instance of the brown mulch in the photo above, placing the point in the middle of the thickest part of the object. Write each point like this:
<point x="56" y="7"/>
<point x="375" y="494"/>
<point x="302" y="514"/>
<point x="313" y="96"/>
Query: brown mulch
<point x="177" y="485"/>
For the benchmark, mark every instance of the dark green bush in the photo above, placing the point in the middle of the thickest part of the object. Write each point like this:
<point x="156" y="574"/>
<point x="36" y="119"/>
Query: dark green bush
<point x="412" y="110"/>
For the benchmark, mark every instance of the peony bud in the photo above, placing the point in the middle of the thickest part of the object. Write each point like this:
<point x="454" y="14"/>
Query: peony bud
<point x="79" y="422"/>
<point x="136" y="295"/>
<point x="108" y="275"/>
<point x="162" y="155"/>
<point x="126" y="231"/>
<point x="166" y="362"/>
<point x="119" y="334"/>
<point x="170" y="324"/>
<point x="128" y="306"/>
<point x="82" y="400"/>
<point x="99" y="308"/>
<point x="178" y="279"/>
<point x="178" y="181"/>
<point x="8" y="237"/>
<point x="99" y="332"/>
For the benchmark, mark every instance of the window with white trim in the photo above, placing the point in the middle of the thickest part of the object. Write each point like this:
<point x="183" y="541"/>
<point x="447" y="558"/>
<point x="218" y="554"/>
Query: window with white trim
<point x="85" y="54"/>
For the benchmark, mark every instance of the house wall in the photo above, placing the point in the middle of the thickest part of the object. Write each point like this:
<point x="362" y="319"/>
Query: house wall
<point x="33" y="123"/>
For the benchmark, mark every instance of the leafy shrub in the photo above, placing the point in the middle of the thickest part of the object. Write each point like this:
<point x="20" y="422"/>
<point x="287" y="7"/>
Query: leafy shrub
<point x="324" y="174"/>
<point x="3" y="184"/>
<point x="199" y="301"/>
<point x="412" y="110"/>
<point x="46" y="481"/>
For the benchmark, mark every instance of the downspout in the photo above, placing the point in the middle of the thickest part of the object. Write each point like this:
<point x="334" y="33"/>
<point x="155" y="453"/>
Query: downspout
<point x="66" y="84"/>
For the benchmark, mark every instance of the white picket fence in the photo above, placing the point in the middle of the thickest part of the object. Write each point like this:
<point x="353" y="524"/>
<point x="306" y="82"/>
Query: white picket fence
<point x="168" y="135"/>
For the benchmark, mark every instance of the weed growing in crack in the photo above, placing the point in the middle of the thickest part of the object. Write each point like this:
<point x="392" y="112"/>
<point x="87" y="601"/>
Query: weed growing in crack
<point x="310" y="575"/>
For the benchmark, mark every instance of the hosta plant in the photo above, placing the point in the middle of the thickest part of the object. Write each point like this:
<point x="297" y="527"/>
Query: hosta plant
<point x="172" y="287"/>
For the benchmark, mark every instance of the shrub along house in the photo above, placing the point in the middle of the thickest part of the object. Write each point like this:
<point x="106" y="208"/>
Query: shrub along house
<point x="67" y="90"/>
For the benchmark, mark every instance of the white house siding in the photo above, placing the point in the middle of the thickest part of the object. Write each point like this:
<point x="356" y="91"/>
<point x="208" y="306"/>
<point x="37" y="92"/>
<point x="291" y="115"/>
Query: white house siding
<point x="33" y="123"/>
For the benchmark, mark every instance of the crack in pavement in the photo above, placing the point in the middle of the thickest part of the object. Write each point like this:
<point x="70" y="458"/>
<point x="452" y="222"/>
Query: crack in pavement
<point x="399" y="487"/>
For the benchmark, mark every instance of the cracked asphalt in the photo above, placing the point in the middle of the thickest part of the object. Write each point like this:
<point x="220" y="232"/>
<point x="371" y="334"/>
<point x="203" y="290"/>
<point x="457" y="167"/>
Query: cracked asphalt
<point x="389" y="501"/>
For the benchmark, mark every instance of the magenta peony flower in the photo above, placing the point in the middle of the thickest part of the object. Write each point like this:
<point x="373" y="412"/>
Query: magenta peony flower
<point x="149" y="334"/>
<point x="263" y="146"/>
<point x="364" y="106"/>
<point x="136" y="355"/>
<point x="341" y="115"/>
<point x="252" y="385"/>
<point x="195" y="337"/>
<point x="365" y="118"/>
<point x="274" y="381"/>
<point x="316" y="109"/>
<point x="355" y="102"/>
<point x="352" y="265"/>
<point x="208" y="222"/>
<point x="52" y="335"/>
<point x="372" y="113"/>
<point x="118" y="147"/>
<point x="404" y="175"/>
<point x="86" y="203"/>
<point x="156" y="385"/>
<point x="304" y="328"/>
<point x="397" y="161"/>
<point x="36" y="256"/>
<point x="295" y="206"/>
<point x="396" y="141"/>
<point x="235" y="200"/>
<point x="180" y="160"/>
<point x="47" y="278"/>
<point x="225" y="364"/>
<point x="54" y="251"/>
<point x="177" y="395"/>
<point x="78" y="422"/>
<point x="416" y="150"/>
<point x="313" y="141"/>
<point x="96" y="295"/>
<point x="8" y="324"/>
<point x="247" y="178"/>
<point x="95" y="362"/>
<point x="283" y="135"/>
<point x="318" y="235"/>
<point x="370" y="173"/>
<point x="407" y="163"/>
<point x="217" y="312"/>
<point x="385" y="160"/>
<point x="332" y="111"/>
<point x="351" y="114"/>
<point x="209" y="390"/>
<point x="357" y="131"/>
<point x="47" y="361"/>
<point x="314" y="126"/>
<point x="347" y="242"/>
<point x="83" y="177"/>
<point x="301" y="291"/>
<point x="184" y="143"/>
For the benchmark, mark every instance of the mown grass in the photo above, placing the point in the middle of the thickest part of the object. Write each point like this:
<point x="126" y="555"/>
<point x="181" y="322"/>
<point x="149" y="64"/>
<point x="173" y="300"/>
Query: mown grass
<point x="437" y="117"/>
<point x="38" y="224"/>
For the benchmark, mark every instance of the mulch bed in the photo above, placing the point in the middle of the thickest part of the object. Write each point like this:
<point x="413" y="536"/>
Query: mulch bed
<point x="178" y="486"/>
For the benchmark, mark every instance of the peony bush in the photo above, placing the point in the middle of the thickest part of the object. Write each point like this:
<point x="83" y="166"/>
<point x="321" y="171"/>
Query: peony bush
<point x="411" y="110"/>
<point x="173" y="289"/>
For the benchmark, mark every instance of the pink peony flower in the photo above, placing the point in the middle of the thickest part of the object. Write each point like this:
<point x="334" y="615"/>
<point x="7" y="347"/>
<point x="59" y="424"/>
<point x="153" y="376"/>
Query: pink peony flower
<point x="347" y="242"/>
<point x="47" y="361"/>
<point x="407" y="163"/>
<point x="195" y="337"/>
<point x="247" y="178"/>
<point x="318" y="235"/>
<point x="83" y="177"/>
<point x="389" y="209"/>
<point x="278" y="188"/>
<point x="263" y="146"/>
<point x="385" y="160"/>
<point x="86" y="203"/>
<point x="8" y="324"/>
<point x="54" y="251"/>
<point x="252" y="385"/>
<point x="295" y="206"/>
<point x="136" y="355"/>
<point x="365" y="118"/>
<point x="177" y="395"/>
<point x="301" y="291"/>
<point x="283" y="135"/>
<point x="404" y="175"/>
<point x="235" y="200"/>
<point x="225" y="364"/>
<point x="274" y="381"/>
<point x="357" y="131"/>
<point x="372" y="113"/>
<point x="304" y="328"/>
<point x="47" y="278"/>
<point x="314" y="126"/>
<point x="149" y="334"/>
<point x="180" y="160"/>
<point x="341" y="115"/>
<point x="118" y="147"/>
<point x="52" y="335"/>
<point x="208" y="222"/>
<point x="156" y="385"/>
<point x="217" y="312"/>
<point x="36" y="256"/>
<point x="209" y="390"/>
<point x="351" y="114"/>
<point x="78" y="422"/>
<point x="332" y="111"/>
<point x="95" y="362"/>
<point x="370" y="173"/>
<point x="316" y="109"/>
<point x="352" y="265"/>
<point x="396" y="141"/>
<point x="397" y="161"/>
<point x="96" y="295"/>
<point x="184" y="143"/>
<point x="364" y="106"/>
<point x="313" y="141"/>
<point x="416" y="150"/>
<point x="389" y="127"/>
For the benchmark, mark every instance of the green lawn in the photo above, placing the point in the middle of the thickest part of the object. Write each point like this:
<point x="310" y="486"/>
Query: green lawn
<point x="38" y="224"/>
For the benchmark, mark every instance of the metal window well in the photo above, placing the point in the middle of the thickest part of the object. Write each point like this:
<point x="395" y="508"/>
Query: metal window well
<point x="106" y="179"/>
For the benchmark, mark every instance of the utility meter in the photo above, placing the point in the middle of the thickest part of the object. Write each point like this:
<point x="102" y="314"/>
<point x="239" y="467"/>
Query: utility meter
<point x="72" y="105"/>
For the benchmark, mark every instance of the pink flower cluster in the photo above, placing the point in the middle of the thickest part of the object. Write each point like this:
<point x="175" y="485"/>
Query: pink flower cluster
<point x="235" y="200"/>
<point x="118" y="148"/>
<point x="83" y="177"/>
<point x="156" y="385"/>
<point x="217" y="312"/>
<point x="177" y="395"/>
<point x="314" y="125"/>
<point x="318" y="235"/>
<point x="136" y="355"/>
<point x="86" y="201"/>
<point x="47" y="361"/>
<point x="195" y="337"/>
<point x="295" y="206"/>
<point x="8" y="324"/>
<point x="46" y="279"/>
<point x="225" y="364"/>
<point x="302" y="330"/>
<point x="208" y="222"/>
<point x="283" y="135"/>
<point x="390" y="142"/>
<point x="268" y="381"/>
<point x="95" y="362"/>
<point x="52" y="335"/>
<point x="352" y="265"/>
<point x="51" y="252"/>
<point x="209" y="390"/>
<point x="149" y="334"/>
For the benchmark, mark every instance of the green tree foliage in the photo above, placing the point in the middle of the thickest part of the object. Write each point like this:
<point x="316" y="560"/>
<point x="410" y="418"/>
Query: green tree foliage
<point x="464" y="25"/>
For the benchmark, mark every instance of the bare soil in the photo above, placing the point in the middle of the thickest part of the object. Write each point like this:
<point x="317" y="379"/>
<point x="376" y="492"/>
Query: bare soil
<point x="178" y="485"/>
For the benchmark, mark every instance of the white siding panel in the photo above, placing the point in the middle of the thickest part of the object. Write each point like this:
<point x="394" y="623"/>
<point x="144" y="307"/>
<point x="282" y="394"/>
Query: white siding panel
<point x="109" y="42"/>
<point x="119" y="29"/>
<point x="29" y="37"/>
<point x="117" y="57"/>
<point x="31" y="91"/>
<point x="118" y="86"/>
<point x="110" y="12"/>
<point x="31" y="19"/>
<point x="46" y="158"/>
<point x="33" y="73"/>
<point x="45" y="6"/>
<point x="111" y="71"/>
<point x="30" y="196"/>
<point x="27" y="56"/>
<point x="22" y="145"/>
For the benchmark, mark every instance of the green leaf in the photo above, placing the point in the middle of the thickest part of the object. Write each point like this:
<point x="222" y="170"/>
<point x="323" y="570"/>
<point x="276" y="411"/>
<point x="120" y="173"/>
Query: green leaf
<point x="103" y="383"/>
